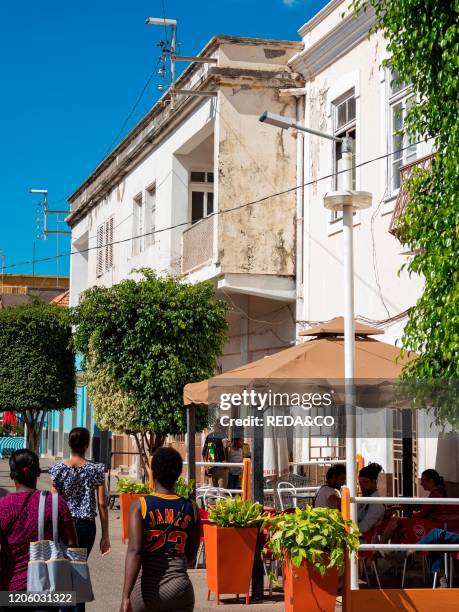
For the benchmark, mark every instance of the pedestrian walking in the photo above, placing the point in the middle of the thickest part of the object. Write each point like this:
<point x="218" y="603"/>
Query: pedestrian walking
<point x="82" y="484"/>
<point x="164" y="535"/>
<point x="19" y="523"/>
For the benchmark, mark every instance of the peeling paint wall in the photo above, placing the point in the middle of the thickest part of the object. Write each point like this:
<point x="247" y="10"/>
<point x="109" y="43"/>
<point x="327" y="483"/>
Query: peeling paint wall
<point x="254" y="161"/>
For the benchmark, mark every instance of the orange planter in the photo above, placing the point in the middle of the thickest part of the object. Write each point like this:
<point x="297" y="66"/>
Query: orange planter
<point x="126" y="500"/>
<point x="306" y="589"/>
<point x="230" y="552"/>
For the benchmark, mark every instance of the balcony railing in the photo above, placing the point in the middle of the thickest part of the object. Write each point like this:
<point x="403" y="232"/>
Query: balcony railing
<point x="403" y="195"/>
<point x="198" y="244"/>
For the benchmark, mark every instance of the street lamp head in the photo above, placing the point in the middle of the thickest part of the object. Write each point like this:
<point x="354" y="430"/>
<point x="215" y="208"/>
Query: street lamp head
<point x="38" y="191"/>
<point x="277" y="120"/>
<point x="160" y="21"/>
<point x="337" y="200"/>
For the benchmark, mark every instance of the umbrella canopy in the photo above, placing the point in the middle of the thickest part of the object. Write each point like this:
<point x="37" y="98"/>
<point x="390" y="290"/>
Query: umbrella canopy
<point x="316" y="359"/>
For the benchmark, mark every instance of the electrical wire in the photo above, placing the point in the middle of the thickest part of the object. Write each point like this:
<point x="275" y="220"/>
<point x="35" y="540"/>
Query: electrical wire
<point x="133" y="109"/>
<point x="218" y="212"/>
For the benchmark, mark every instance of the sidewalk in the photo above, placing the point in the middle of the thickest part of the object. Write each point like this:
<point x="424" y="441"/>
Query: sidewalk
<point x="107" y="576"/>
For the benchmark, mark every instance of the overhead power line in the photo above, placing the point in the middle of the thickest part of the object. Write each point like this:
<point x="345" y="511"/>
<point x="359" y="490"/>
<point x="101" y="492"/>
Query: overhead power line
<point x="218" y="212"/>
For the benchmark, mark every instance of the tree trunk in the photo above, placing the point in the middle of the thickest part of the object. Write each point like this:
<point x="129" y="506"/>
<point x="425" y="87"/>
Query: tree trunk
<point x="34" y="422"/>
<point x="147" y="445"/>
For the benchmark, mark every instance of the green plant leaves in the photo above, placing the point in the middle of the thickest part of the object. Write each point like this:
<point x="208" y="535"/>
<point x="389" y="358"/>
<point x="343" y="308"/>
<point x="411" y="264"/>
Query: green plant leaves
<point x="317" y="535"/>
<point x="143" y="341"/>
<point x="234" y="512"/>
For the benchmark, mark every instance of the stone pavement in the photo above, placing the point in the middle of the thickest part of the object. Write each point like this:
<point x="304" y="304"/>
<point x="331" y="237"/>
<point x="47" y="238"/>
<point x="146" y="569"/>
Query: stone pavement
<point x="107" y="573"/>
<point x="107" y="576"/>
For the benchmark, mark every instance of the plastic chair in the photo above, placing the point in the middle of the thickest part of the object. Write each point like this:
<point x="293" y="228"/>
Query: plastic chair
<point x="415" y="529"/>
<point x="213" y="493"/>
<point x="287" y="488"/>
<point x="370" y="537"/>
<point x="204" y="516"/>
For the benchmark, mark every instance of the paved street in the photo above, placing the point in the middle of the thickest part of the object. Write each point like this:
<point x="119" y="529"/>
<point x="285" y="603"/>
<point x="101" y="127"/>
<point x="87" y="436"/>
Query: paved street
<point x="107" y="572"/>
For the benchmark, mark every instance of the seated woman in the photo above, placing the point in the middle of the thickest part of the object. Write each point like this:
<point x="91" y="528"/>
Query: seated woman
<point x="369" y="515"/>
<point x="164" y="535"/>
<point x="432" y="482"/>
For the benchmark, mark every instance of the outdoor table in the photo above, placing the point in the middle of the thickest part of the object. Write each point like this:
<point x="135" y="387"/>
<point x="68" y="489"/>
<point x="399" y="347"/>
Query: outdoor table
<point x="307" y="496"/>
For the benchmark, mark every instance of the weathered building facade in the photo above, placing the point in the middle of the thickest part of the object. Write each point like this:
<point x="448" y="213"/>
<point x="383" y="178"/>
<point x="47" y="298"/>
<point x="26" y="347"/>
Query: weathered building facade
<point x="349" y="92"/>
<point x="190" y="191"/>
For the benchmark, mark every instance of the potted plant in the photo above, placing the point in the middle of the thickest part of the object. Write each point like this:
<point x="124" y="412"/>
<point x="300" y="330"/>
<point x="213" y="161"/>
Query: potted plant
<point x="313" y="544"/>
<point x="230" y="541"/>
<point x="130" y="490"/>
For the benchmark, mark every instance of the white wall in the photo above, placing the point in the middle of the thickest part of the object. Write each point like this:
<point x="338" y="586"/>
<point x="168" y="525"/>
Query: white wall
<point x="379" y="291"/>
<point x="162" y="167"/>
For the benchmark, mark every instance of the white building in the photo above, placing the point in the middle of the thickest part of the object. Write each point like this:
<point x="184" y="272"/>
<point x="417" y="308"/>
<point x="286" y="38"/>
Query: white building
<point x="348" y="92"/>
<point x="164" y="197"/>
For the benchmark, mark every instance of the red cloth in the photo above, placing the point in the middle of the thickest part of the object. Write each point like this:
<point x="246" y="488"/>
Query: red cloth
<point x="9" y="418"/>
<point x="14" y="554"/>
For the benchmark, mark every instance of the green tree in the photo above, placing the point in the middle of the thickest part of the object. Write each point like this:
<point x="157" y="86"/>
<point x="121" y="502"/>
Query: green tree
<point x="142" y="342"/>
<point x="423" y="41"/>
<point x="37" y="370"/>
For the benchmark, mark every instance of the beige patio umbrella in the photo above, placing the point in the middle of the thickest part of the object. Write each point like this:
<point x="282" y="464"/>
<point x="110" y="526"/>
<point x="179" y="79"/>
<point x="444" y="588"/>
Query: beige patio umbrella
<point x="318" y="359"/>
<point x="313" y="364"/>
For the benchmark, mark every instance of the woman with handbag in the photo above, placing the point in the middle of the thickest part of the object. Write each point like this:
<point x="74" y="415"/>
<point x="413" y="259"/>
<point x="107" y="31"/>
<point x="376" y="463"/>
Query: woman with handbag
<point x="19" y="522"/>
<point x="164" y="535"/>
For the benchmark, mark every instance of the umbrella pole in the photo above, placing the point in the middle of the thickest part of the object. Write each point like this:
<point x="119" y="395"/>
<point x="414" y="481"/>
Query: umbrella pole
<point x="190" y="441"/>
<point x="349" y="341"/>
<point x="257" y="495"/>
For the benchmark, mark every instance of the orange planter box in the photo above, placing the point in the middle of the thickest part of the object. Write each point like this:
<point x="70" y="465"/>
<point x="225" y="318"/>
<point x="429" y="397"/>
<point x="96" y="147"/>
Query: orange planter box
<point x="306" y="589"/>
<point x="126" y="500"/>
<point x="230" y="552"/>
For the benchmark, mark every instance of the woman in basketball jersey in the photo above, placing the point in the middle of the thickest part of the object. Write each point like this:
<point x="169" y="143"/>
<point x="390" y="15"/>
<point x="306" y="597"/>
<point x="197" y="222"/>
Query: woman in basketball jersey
<point x="163" y="539"/>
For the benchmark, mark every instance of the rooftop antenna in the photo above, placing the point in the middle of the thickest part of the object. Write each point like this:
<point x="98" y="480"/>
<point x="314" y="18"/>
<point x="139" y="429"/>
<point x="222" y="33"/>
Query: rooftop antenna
<point x="166" y="50"/>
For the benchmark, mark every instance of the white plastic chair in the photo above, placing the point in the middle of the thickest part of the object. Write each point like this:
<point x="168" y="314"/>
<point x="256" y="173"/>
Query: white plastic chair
<point x="288" y="489"/>
<point x="213" y="493"/>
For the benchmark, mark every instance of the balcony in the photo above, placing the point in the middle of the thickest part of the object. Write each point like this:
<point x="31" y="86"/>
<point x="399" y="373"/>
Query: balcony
<point x="198" y="245"/>
<point x="403" y="195"/>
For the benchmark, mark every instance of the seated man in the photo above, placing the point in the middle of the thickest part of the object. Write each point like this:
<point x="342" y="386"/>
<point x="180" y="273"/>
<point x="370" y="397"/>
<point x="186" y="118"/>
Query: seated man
<point x="328" y="496"/>
<point x="369" y="515"/>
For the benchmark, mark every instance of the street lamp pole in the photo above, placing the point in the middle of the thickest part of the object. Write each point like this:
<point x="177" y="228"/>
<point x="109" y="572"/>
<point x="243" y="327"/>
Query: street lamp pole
<point x="346" y="200"/>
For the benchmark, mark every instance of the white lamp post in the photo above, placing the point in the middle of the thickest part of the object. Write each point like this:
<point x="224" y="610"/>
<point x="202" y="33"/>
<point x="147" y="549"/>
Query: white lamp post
<point x="346" y="201"/>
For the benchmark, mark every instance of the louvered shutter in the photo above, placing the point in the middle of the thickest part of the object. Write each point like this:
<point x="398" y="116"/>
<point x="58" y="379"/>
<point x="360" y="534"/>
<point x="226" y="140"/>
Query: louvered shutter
<point x="100" y="251"/>
<point x="109" y="243"/>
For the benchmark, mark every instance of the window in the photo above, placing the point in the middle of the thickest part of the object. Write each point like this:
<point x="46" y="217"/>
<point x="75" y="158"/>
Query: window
<point x="137" y="225"/>
<point x="150" y="214"/>
<point x="104" y="251"/>
<point x="201" y="195"/>
<point x="344" y="125"/>
<point x="402" y="149"/>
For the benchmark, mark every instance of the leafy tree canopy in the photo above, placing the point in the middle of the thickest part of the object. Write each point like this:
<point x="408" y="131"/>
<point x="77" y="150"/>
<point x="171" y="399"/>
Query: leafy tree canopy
<point x="143" y="341"/>
<point x="423" y="40"/>
<point x="37" y="371"/>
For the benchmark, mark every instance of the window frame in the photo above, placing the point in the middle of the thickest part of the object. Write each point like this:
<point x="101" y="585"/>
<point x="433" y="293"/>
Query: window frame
<point x="392" y="99"/>
<point x="138" y="214"/>
<point x="150" y="214"/>
<point x="342" y="131"/>
<point x="201" y="187"/>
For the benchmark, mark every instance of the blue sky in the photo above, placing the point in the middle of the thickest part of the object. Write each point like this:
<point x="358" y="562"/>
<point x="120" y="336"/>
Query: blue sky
<point x="70" y="74"/>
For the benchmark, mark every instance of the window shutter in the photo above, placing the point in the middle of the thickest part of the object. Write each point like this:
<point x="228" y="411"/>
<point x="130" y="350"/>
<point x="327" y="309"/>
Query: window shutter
<point x="100" y="251"/>
<point x="109" y="243"/>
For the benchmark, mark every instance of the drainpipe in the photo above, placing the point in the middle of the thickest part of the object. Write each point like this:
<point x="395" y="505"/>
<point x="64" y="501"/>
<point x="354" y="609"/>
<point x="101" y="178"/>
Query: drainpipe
<point x="299" y="229"/>
<point x="300" y="101"/>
